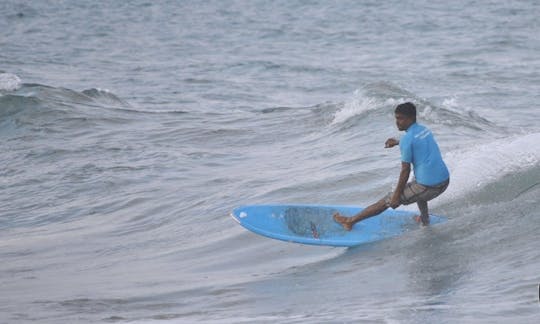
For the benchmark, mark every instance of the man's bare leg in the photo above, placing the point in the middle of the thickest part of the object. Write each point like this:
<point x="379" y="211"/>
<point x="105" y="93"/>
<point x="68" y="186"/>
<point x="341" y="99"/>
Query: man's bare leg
<point x="372" y="210"/>
<point x="424" y="214"/>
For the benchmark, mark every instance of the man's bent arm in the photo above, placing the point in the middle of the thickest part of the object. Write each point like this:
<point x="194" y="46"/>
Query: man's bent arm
<point x="403" y="178"/>
<point x="391" y="142"/>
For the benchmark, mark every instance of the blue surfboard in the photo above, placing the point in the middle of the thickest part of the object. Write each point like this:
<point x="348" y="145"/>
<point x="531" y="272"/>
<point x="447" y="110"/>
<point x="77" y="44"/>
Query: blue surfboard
<point x="314" y="224"/>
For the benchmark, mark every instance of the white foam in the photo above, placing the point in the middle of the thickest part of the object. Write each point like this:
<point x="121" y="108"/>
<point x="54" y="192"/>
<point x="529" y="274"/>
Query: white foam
<point x="9" y="82"/>
<point x="450" y="103"/>
<point x="474" y="167"/>
<point x="358" y="105"/>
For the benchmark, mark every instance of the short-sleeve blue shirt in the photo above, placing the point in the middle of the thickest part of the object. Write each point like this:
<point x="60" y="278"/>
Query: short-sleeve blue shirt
<point x="418" y="146"/>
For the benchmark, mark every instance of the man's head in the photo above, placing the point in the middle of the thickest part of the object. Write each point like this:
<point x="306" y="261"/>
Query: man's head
<point x="405" y="114"/>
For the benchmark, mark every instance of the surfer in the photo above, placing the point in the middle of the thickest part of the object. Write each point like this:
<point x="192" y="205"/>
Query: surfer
<point x="419" y="148"/>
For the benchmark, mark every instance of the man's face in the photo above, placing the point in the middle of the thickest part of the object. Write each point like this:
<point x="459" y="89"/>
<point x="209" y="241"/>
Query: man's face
<point x="403" y="122"/>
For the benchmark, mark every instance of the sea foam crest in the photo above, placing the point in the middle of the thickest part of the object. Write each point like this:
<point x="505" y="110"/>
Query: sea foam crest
<point x="477" y="166"/>
<point x="9" y="82"/>
<point x="361" y="103"/>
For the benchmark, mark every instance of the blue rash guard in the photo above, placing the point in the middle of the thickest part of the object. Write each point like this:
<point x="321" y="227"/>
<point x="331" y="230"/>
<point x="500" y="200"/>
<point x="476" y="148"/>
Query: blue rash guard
<point x="418" y="147"/>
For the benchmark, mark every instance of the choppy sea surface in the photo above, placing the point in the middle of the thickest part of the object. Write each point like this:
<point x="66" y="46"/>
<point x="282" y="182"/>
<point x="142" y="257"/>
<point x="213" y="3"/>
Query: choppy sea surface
<point x="130" y="130"/>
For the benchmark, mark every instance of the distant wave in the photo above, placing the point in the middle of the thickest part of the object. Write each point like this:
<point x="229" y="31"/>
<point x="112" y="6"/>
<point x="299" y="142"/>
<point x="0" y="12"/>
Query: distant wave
<point x="106" y="97"/>
<point x="375" y="97"/>
<point x="360" y="104"/>
<point x="381" y="98"/>
<point x="30" y="97"/>
<point x="18" y="97"/>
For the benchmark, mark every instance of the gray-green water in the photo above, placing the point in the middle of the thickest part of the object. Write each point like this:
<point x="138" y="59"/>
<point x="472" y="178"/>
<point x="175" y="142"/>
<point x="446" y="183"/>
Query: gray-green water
<point x="129" y="131"/>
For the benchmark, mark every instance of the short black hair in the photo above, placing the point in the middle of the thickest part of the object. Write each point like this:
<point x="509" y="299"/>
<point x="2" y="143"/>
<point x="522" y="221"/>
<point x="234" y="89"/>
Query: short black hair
<point x="407" y="109"/>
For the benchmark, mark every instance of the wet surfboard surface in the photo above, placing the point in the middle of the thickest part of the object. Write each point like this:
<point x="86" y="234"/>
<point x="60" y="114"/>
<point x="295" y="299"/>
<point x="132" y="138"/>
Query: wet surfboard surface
<point x="314" y="224"/>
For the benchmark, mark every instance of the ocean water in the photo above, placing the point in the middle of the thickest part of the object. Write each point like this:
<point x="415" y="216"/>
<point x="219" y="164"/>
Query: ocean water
<point x="129" y="131"/>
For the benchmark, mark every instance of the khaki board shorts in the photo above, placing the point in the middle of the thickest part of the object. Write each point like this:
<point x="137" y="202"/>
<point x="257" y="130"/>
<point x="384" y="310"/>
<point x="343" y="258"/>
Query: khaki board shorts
<point x="415" y="192"/>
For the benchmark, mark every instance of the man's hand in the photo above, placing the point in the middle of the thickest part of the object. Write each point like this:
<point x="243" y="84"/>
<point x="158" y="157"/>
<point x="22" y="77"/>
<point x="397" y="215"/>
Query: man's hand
<point x="391" y="142"/>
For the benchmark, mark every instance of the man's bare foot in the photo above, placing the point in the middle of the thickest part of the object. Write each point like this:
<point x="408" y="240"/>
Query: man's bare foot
<point x="419" y="220"/>
<point x="344" y="221"/>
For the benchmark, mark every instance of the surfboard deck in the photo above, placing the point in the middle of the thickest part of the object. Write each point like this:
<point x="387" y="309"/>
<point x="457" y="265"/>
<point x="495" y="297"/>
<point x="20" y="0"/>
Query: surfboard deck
<point x="314" y="224"/>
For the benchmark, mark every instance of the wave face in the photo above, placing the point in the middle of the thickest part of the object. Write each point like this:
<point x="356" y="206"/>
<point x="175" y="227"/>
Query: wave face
<point x="114" y="203"/>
